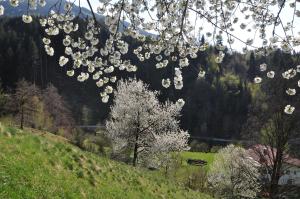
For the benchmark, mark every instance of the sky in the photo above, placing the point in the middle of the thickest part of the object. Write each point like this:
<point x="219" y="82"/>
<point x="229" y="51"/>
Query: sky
<point x="286" y="16"/>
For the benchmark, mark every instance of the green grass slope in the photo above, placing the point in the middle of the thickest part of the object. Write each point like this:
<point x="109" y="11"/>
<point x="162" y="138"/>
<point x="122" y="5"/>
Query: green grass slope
<point x="39" y="165"/>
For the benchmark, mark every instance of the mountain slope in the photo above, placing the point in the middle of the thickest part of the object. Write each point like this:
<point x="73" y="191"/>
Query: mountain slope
<point x="53" y="5"/>
<point x="42" y="11"/>
<point x="42" y="165"/>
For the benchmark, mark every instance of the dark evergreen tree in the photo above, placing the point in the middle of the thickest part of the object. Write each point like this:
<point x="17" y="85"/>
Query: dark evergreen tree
<point x="253" y="68"/>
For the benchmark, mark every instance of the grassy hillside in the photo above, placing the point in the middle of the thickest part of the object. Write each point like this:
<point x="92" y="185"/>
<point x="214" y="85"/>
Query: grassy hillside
<point x="41" y="165"/>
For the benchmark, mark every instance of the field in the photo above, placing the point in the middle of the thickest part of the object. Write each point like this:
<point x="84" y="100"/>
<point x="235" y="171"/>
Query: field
<point x="208" y="157"/>
<point x="35" y="164"/>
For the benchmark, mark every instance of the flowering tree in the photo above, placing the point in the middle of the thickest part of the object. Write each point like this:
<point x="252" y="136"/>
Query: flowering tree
<point x="233" y="174"/>
<point x="176" y="26"/>
<point x="140" y="123"/>
<point x="273" y="121"/>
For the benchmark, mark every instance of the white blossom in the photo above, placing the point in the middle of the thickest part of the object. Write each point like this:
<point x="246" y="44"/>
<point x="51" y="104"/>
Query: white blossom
<point x="105" y="98"/>
<point x="70" y="73"/>
<point x="42" y="3"/>
<point x="49" y="50"/>
<point x="263" y="67"/>
<point x="1" y="10"/>
<point x="180" y="102"/>
<point x="288" y="109"/>
<point x="176" y="39"/>
<point x="14" y="3"/>
<point x="46" y="41"/>
<point x="108" y="89"/>
<point x="298" y="68"/>
<point x="271" y="74"/>
<point x="113" y="79"/>
<point x="63" y="60"/>
<point x="26" y="18"/>
<point x="100" y="83"/>
<point x="201" y="74"/>
<point x="289" y="74"/>
<point x="257" y="80"/>
<point x="166" y="83"/>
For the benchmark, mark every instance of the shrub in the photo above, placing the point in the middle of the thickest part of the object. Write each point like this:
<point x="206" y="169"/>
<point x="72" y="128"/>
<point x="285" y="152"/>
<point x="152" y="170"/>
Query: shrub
<point x="197" y="146"/>
<point x="233" y="174"/>
<point x="215" y="149"/>
<point x="88" y="145"/>
<point x="197" y="179"/>
<point x="1" y="127"/>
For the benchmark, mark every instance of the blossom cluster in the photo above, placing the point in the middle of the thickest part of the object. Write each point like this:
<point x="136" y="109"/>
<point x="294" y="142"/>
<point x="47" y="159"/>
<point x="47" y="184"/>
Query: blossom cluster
<point x="286" y="75"/>
<point x="176" y="26"/>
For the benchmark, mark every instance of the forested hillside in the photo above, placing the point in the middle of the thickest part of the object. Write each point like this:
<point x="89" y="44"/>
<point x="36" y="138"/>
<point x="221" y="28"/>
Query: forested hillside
<point x="216" y="106"/>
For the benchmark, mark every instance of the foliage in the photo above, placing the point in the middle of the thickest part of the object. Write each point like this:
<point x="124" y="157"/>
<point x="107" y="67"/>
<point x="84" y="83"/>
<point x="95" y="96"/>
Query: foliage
<point x="3" y="100"/>
<point x="190" y="176"/>
<point x="197" y="179"/>
<point x="215" y="149"/>
<point x="98" y="143"/>
<point x="206" y="112"/>
<point x="40" y="118"/>
<point x="58" y="109"/>
<point x="197" y="146"/>
<point x="88" y="145"/>
<point x="233" y="174"/>
<point x="177" y="39"/>
<point x="50" y="167"/>
<point x="272" y="120"/>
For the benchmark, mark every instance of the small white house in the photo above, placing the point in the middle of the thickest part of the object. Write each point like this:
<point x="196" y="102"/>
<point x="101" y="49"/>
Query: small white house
<point x="263" y="155"/>
<point x="291" y="174"/>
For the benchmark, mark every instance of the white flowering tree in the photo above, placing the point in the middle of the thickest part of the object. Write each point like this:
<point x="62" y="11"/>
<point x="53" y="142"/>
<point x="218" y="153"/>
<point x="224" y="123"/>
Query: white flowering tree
<point x="234" y="174"/>
<point x="141" y="124"/>
<point x="260" y="25"/>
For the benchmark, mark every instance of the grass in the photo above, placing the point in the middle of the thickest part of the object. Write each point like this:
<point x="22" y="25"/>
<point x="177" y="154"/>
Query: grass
<point x="36" y="164"/>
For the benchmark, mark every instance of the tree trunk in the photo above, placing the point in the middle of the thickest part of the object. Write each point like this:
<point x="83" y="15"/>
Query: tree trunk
<point x="276" y="173"/>
<point x="22" y="117"/>
<point x="135" y="151"/>
<point x="281" y="137"/>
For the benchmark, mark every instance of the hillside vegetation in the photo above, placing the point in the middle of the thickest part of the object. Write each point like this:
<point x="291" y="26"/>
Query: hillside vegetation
<point x="35" y="164"/>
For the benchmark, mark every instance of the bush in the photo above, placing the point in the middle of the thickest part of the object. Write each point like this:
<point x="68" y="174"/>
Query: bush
<point x="197" y="146"/>
<point x="1" y="128"/>
<point x="77" y="136"/>
<point x="7" y="120"/>
<point x="215" y="149"/>
<point x="102" y="141"/>
<point x="93" y="143"/>
<point x="88" y="145"/>
<point x="233" y="174"/>
<point x="197" y="179"/>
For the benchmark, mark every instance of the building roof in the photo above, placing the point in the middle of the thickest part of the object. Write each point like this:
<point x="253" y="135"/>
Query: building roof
<point x="265" y="155"/>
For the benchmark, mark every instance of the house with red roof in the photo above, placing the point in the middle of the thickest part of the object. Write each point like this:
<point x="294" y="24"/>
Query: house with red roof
<point x="264" y="156"/>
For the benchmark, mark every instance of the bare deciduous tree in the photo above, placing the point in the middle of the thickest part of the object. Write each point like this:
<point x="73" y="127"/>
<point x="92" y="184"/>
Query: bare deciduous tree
<point x="22" y="102"/>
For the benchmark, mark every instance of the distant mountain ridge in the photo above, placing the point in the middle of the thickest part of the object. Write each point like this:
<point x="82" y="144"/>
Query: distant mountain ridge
<point x="44" y="11"/>
<point x="41" y="11"/>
